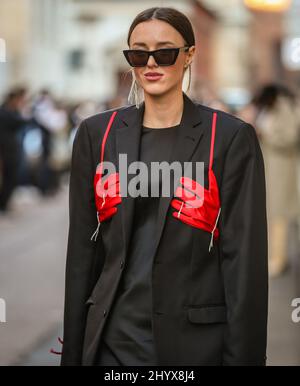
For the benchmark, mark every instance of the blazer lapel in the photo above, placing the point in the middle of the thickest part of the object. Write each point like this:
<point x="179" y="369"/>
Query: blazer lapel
<point x="128" y="135"/>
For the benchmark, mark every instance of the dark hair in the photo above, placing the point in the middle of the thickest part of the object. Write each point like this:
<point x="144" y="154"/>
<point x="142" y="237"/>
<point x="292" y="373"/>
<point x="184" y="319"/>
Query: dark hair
<point x="13" y="94"/>
<point x="171" y="16"/>
<point x="267" y="95"/>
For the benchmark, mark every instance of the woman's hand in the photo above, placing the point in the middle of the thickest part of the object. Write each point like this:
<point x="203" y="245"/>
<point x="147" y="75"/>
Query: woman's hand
<point x="197" y="206"/>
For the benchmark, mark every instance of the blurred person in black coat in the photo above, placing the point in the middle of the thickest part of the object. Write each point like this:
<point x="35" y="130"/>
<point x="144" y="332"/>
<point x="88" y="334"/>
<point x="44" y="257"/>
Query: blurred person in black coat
<point x="11" y="121"/>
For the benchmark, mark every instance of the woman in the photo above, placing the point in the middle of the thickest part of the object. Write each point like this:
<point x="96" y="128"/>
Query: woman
<point x="166" y="279"/>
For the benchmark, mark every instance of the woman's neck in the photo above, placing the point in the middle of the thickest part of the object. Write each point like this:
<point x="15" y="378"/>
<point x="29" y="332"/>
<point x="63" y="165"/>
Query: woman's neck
<point x="163" y="111"/>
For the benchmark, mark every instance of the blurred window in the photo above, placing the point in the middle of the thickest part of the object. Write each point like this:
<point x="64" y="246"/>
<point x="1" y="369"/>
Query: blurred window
<point x="76" y="59"/>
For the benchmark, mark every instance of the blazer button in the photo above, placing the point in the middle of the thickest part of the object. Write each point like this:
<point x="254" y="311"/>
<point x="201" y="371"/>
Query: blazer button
<point x="104" y="313"/>
<point x="121" y="264"/>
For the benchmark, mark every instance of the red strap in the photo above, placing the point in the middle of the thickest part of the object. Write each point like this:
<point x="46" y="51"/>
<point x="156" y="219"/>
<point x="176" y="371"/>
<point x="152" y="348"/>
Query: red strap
<point x="212" y="143"/>
<point x="52" y="351"/>
<point x="105" y="138"/>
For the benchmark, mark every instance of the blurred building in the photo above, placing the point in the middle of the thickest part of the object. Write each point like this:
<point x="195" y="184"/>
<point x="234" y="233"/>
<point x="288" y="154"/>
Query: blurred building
<point x="74" y="47"/>
<point x="229" y="50"/>
<point x="274" y="37"/>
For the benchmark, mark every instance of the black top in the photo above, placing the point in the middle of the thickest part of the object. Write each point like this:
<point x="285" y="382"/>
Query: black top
<point x="128" y="330"/>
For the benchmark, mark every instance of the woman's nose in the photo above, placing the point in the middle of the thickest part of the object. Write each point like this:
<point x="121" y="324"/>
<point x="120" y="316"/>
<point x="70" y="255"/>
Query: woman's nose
<point x="151" y="62"/>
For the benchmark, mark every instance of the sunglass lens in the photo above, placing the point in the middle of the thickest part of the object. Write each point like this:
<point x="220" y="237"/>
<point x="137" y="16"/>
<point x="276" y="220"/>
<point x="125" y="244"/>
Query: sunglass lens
<point x="165" y="57"/>
<point x="137" y="58"/>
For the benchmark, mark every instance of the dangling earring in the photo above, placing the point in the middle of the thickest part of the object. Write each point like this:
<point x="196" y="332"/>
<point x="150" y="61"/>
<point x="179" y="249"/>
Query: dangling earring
<point x="190" y="77"/>
<point x="133" y="96"/>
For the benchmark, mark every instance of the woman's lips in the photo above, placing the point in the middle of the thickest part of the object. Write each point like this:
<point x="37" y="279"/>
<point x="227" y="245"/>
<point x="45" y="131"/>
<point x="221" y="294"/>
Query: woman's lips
<point x="153" y="76"/>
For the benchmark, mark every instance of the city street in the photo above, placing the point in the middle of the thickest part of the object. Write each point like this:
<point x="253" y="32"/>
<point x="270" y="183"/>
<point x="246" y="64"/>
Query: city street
<point x="32" y="249"/>
<point x="223" y="77"/>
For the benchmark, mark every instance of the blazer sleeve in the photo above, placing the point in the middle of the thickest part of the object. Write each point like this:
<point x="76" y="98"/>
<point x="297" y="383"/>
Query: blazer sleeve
<point x="84" y="257"/>
<point x="244" y="250"/>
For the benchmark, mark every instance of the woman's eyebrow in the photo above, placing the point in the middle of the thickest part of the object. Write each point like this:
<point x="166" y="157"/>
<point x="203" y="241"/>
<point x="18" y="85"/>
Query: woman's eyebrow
<point x="140" y="44"/>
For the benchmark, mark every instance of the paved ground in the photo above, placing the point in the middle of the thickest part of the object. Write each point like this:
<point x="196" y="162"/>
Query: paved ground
<point x="284" y="334"/>
<point x="32" y="250"/>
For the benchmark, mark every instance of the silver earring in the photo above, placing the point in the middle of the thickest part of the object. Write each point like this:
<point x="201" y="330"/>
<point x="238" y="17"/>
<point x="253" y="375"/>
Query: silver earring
<point x="133" y="96"/>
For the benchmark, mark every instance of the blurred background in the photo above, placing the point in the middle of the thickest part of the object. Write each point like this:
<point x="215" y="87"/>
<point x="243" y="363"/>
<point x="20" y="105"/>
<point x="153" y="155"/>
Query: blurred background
<point x="61" y="61"/>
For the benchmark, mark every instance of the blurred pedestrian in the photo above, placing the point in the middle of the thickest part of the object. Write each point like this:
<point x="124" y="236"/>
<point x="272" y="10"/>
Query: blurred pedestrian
<point x="275" y="112"/>
<point x="51" y="119"/>
<point x="11" y="122"/>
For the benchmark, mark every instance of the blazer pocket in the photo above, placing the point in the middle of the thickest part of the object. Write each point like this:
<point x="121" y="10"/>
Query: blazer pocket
<point x="207" y="315"/>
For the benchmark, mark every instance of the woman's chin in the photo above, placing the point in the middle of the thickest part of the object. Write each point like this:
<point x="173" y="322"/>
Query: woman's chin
<point x="155" y="91"/>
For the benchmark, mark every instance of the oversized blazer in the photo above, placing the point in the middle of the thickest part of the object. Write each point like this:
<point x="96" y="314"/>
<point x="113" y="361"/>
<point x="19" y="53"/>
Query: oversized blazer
<point x="209" y="308"/>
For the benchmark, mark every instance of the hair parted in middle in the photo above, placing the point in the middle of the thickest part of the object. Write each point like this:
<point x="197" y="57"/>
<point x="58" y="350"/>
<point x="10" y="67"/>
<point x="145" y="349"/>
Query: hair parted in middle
<point x="177" y="20"/>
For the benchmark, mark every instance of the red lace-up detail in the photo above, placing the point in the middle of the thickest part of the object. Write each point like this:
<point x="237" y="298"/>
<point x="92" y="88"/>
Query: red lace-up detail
<point x="52" y="351"/>
<point x="107" y="192"/>
<point x="197" y="206"/>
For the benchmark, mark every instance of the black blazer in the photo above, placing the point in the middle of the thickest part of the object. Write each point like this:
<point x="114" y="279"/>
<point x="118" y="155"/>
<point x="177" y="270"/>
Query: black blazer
<point x="209" y="308"/>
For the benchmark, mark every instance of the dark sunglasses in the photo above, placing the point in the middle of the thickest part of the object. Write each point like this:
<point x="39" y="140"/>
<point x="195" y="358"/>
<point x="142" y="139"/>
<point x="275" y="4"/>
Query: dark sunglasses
<point x="163" y="56"/>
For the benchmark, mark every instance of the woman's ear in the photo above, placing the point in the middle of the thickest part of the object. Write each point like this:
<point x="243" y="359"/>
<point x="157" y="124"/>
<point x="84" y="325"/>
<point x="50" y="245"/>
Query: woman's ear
<point x="190" y="56"/>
